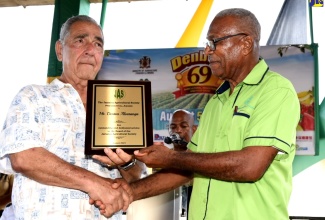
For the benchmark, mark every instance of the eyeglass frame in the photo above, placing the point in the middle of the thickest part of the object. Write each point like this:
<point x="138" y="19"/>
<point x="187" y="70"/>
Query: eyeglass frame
<point x="212" y="44"/>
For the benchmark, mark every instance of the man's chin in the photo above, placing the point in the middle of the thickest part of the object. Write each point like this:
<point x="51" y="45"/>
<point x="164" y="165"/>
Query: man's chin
<point x="218" y="75"/>
<point x="88" y="68"/>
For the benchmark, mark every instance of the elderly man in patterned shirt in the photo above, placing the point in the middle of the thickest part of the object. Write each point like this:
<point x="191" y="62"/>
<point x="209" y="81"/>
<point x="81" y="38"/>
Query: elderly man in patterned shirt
<point x="42" y="140"/>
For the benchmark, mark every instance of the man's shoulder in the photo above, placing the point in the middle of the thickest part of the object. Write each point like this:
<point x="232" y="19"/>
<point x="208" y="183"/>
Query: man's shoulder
<point x="277" y="80"/>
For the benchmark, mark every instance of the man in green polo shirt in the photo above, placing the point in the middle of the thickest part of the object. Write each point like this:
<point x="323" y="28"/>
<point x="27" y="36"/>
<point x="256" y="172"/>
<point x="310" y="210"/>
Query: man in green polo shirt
<point x="253" y="131"/>
<point x="241" y="154"/>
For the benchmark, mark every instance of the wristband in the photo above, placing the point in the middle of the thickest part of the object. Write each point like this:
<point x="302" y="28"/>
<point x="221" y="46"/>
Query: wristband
<point x="128" y="165"/>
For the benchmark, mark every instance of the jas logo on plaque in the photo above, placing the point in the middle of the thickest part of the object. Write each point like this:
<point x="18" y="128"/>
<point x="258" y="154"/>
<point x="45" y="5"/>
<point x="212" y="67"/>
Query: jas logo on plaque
<point x="119" y="93"/>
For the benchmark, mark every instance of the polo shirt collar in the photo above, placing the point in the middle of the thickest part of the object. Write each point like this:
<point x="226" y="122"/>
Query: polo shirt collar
<point x="253" y="78"/>
<point x="257" y="74"/>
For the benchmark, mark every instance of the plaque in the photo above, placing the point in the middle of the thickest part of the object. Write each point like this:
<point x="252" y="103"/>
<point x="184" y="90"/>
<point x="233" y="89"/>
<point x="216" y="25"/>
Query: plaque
<point x="118" y="115"/>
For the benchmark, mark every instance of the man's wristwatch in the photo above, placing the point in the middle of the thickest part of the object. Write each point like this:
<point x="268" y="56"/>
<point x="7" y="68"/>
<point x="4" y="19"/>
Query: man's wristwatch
<point x="128" y="165"/>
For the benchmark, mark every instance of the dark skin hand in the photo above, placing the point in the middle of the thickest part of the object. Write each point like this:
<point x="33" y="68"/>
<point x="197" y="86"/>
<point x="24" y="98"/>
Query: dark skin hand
<point x="246" y="165"/>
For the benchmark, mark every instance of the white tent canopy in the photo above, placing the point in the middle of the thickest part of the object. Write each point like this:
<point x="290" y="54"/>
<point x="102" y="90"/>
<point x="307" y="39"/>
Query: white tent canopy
<point x="160" y="24"/>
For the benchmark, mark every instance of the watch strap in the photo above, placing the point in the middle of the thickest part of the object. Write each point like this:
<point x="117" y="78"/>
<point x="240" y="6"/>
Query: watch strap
<point x="129" y="164"/>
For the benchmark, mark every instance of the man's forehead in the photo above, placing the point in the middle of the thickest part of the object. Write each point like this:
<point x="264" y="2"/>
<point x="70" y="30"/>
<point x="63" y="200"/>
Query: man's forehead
<point x="179" y="121"/>
<point x="222" y="25"/>
<point x="86" y="27"/>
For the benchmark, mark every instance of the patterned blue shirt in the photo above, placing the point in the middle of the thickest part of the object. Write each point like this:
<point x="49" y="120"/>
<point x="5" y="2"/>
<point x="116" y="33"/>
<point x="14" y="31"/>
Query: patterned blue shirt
<point x="53" y="117"/>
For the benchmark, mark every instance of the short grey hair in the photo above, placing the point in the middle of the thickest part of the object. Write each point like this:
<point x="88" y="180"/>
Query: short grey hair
<point x="247" y="19"/>
<point x="65" y="29"/>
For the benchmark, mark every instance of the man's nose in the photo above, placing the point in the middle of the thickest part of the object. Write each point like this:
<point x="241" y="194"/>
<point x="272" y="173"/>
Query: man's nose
<point x="178" y="129"/>
<point x="207" y="50"/>
<point x="90" y="49"/>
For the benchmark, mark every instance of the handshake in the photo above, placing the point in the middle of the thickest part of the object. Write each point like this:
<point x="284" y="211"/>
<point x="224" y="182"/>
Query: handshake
<point x="117" y="195"/>
<point x="113" y="195"/>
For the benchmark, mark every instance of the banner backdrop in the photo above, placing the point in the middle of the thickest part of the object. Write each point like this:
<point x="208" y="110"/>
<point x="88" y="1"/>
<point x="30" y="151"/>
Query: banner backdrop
<point x="181" y="79"/>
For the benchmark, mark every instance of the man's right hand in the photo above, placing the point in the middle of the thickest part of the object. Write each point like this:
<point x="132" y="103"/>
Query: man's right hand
<point x="109" y="197"/>
<point x="121" y="198"/>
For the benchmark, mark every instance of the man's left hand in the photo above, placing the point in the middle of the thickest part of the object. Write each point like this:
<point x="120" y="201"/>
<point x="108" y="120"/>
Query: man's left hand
<point x="155" y="156"/>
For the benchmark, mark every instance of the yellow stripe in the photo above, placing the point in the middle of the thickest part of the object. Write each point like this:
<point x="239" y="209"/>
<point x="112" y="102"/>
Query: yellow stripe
<point x="192" y="33"/>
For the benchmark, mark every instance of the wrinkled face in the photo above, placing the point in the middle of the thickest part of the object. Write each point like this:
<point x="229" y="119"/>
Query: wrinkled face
<point x="82" y="51"/>
<point x="182" y="124"/>
<point x="225" y="53"/>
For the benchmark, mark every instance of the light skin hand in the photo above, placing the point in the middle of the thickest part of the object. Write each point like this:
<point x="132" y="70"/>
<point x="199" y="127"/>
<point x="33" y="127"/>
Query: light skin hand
<point x="119" y="157"/>
<point x="155" y="156"/>
<point x="119" y="184"/>
<point x="113" y="197"/>
<point x="113" y="158"/>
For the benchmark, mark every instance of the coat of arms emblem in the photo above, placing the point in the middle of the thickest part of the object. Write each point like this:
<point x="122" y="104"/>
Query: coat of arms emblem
<point x="145" y="62"/>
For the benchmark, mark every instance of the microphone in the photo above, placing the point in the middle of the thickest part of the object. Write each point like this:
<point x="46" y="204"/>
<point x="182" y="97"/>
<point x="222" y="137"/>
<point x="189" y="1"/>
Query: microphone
<point x="176" y="139"/>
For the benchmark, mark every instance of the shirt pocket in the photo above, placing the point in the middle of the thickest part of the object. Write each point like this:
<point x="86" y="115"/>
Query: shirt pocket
<point x="237" y="130"/>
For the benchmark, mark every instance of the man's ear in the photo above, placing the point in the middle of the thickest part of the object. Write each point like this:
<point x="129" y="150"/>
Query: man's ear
<point x="248" y="44"/>
<point x="58" y="50"/>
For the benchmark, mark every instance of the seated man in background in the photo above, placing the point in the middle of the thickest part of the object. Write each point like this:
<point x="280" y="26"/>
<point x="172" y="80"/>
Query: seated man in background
<point x="182" y="124"/>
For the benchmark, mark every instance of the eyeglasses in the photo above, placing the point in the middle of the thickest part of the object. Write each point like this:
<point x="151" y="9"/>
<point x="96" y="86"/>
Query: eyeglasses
<point x="212" y="44"/>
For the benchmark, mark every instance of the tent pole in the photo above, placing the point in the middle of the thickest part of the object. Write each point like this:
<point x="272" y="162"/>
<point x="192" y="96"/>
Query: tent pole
<point x="103" y="13"/>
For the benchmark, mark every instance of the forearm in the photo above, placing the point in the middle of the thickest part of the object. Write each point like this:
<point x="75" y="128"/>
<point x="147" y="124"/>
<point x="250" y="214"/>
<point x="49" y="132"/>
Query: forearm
<point x="207" y="164"/>
<point x="46" y="168"/>
<point x="245" y="165"/>
<point x="158" y="183"/>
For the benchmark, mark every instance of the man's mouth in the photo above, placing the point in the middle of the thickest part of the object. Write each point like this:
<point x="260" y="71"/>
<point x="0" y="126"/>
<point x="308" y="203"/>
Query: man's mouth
<point x="212" y="62"/>
<point x="87" y="63"/>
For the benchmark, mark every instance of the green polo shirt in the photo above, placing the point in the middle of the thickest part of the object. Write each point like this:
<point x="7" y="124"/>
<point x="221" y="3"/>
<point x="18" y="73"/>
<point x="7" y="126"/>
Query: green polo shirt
<point x="263" y="110"/>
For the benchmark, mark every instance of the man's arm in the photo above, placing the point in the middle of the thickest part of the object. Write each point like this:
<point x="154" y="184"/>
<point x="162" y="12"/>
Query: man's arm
<point x="46" y="168"/>
<point x="152" y="185"/>
<point x="246" y="165"/>
<point x="160" y="182"/>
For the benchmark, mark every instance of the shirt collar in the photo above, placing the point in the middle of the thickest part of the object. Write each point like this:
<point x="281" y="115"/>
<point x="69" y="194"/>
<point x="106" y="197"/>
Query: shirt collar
<point x="59" y="84"/>
<point x="253" y="78"/>
<point x="257" y="74"/>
